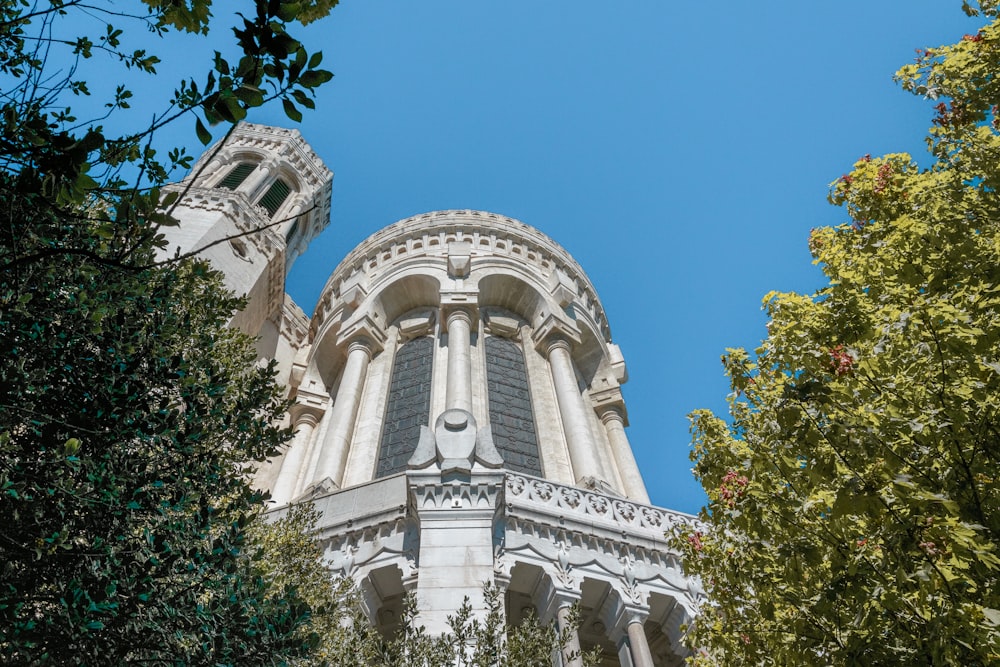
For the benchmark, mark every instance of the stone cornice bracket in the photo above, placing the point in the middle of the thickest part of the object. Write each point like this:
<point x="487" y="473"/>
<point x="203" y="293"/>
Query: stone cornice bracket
<point x="352" y="291"/>
<point x="459" y="259"/>
<point x="555" y="331"/>
<point x="501" y="324"/>
<point x="417" y="323"/>
<point x="562" y="288"/>
<point x="363" y="331"/>
<point x="617" y="361"/>
<point x="609" y="404"/>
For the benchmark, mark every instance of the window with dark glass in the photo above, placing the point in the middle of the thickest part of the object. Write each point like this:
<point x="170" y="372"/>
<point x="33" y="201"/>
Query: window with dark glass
<point x="275" y="195"/>
<point x="511" y="418"/>
<point x="408" y="405"/>
<point x="237" y="175"/>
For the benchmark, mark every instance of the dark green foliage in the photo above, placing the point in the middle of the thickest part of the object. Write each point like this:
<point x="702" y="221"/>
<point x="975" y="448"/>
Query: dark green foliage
<point x="130" y="416"/>
<point x="128" y="413"/>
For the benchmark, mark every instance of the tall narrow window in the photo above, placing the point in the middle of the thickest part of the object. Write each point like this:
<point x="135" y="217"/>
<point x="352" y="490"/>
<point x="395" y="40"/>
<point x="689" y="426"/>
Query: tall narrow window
<point x="275" y="195"/>
<point x="511" y="419"/>
<point x="408" y="406"/>
<point x="237" y="175"/>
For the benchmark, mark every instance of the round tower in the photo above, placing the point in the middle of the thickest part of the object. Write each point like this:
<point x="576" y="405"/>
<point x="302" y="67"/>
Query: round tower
<point x="459" y="420"/>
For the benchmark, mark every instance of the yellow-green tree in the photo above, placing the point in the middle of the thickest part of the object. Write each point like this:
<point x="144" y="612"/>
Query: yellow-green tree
<point x="854" y="494"/>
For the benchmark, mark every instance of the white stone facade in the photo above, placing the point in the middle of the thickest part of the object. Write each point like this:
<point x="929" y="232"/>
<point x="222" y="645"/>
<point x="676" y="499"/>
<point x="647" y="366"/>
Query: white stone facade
<point x="459" y="413"/>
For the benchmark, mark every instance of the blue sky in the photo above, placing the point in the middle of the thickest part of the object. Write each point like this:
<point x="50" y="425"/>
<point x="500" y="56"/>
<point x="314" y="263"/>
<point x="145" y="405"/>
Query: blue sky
<point x="681" y="152"/>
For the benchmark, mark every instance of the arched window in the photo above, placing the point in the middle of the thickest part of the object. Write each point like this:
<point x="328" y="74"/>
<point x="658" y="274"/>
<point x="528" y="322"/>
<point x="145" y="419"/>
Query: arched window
<point x="237" y="175"/>
<point x="275" y="196"/>
<point x="408" y="406"/>
<point x="511" y="418"/>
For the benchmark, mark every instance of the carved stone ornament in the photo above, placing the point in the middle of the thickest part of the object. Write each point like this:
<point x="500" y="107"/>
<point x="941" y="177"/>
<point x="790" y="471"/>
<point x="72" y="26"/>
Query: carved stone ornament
<point x="455" y="444"/>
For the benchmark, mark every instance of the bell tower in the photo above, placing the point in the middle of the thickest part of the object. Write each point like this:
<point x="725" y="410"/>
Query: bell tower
<point x="252" y="204"/>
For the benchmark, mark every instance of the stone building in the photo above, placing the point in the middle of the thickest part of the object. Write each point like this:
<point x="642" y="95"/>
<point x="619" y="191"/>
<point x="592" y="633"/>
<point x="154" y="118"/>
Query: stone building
<point x="459" y="415"/>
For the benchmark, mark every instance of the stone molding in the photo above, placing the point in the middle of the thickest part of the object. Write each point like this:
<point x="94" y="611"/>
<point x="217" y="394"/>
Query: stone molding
<point x="294" y="323"/>
<point x="235" y="207"/>
<point x="495" y="235"/>
<point x="275" y="141"/>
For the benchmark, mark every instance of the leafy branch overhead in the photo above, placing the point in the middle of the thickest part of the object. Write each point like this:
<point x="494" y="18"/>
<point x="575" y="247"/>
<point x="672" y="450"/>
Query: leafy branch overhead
<point x="854" y="497"/>
<point x="43" y="51"/>
<point x="131" y="414"/>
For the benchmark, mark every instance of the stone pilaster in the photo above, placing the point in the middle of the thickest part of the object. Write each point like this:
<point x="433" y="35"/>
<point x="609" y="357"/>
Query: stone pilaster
<point x="456" y="542"/>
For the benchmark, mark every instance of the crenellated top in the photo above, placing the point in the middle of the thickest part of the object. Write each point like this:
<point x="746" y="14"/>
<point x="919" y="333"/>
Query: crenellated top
<point x="487" y="235"/>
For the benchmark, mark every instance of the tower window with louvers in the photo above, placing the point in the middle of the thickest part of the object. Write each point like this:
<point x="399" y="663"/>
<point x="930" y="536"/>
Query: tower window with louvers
<point x="275" y="195"/>
<point x="237" y="175"/>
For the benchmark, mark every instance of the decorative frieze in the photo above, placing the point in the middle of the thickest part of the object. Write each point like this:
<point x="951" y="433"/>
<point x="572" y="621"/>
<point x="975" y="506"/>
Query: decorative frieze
<point x="583" y="505"/>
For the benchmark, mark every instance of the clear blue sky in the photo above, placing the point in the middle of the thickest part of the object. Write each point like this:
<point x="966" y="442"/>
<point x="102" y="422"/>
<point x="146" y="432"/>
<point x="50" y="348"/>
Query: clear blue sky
<point x="680" y="151"/>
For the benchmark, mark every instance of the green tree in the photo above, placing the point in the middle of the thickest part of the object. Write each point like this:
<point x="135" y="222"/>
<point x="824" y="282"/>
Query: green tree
<point x="290" y="558"/>
<point x="854" y="495"/>
<point x="130" y="414"/>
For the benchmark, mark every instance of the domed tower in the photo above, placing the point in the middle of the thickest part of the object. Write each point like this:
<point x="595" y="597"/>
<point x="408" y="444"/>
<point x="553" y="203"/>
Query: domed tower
<point x="460" y="420"/>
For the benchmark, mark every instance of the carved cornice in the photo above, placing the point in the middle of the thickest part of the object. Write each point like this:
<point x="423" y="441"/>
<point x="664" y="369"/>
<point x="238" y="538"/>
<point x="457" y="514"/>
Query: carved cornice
<point x="489" y="234"/>
<point x="294" y="323"/>
<point x="287" y="143"/>
<point x="237" y="208"/>
<point x="429" y="493"/>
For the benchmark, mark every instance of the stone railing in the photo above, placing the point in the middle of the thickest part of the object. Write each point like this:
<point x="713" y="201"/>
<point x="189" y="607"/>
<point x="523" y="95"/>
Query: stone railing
<point x="581" y="504"/>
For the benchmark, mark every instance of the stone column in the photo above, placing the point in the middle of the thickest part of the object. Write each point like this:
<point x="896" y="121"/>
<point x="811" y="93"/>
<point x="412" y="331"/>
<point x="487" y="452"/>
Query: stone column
<point x="571" y="654"/>
<point x="458" y="394"/>
<point x="555" y="602"/>
<point x="212" y="168"/>
<point x="253" y="184"/>
<point x="614" y="423"/>
<point x="573" y="412"/>
<point x="295" y="458"/>
<point x="332" y="455"/>
<point x="641" y="655"/>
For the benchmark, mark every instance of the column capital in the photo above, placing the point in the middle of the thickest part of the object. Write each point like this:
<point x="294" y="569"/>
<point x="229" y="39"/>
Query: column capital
<point x="362" y="343"/>
<point x="617" y="615"/>
<point x="363" y="330"/>
<point x="609" y="404"/>
<point x="550" y="597"/>
<point x="555" y="332"/>
<point x="462" y="306"/>
<point x="458" y="314"/>
<point x="306" y="418"/>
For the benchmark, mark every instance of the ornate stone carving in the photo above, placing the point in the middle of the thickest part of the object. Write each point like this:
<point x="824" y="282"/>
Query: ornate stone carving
<point x="455" y="444"/>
